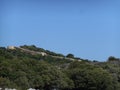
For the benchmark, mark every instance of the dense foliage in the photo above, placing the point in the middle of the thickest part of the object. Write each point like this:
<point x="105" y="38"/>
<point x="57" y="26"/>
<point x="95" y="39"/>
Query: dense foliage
<point x="22" y="70"/>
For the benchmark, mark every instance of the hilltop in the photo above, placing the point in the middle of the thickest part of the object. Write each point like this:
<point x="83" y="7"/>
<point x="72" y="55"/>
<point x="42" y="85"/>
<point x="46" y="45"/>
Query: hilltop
<point x="26" y="67"/>
<point x="40" y="51"/>
<point x="37" y="53"/>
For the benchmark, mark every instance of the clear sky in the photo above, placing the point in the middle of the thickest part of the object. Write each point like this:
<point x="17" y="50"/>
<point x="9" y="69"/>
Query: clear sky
<point x="89" y="29"/>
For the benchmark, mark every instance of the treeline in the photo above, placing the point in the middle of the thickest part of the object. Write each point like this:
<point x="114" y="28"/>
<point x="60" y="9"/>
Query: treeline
<point x="22" y="70"/>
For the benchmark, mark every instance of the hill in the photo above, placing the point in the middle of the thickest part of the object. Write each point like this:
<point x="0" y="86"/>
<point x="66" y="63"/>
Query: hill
<point x="33" y="67"/>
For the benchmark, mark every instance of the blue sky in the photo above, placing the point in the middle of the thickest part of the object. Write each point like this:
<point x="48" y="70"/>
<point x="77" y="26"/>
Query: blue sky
<point x="87" y="28"/>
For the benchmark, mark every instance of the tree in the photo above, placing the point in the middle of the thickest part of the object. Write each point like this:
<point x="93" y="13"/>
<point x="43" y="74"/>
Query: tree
<point x="6" y="83"/>
<point x="112" y="58"/>
<point x="52" y="77"/>
<point x="70" y="56"/>
<point x="89" y="77"/>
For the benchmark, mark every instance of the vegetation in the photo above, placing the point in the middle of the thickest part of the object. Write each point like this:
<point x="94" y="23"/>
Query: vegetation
<point x="70" y="56"/>
<point x="22" y="70"/>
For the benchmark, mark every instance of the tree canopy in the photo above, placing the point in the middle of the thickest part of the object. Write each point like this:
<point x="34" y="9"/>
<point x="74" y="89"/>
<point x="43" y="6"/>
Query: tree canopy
<point x="23" y="70"/>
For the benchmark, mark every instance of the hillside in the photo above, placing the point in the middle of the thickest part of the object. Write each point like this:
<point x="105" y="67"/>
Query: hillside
<point x="33" y="67"/>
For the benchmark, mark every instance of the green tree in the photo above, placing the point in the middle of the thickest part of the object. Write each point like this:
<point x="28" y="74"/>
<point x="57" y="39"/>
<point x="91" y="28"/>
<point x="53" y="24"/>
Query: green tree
<point x="70" y="56"/>
<point x="51" y="77"/>
<point x="89" y="77"/>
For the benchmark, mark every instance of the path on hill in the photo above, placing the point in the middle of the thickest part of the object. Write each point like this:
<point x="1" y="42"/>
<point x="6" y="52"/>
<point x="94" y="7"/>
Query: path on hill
<point x="45" y="54"/>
